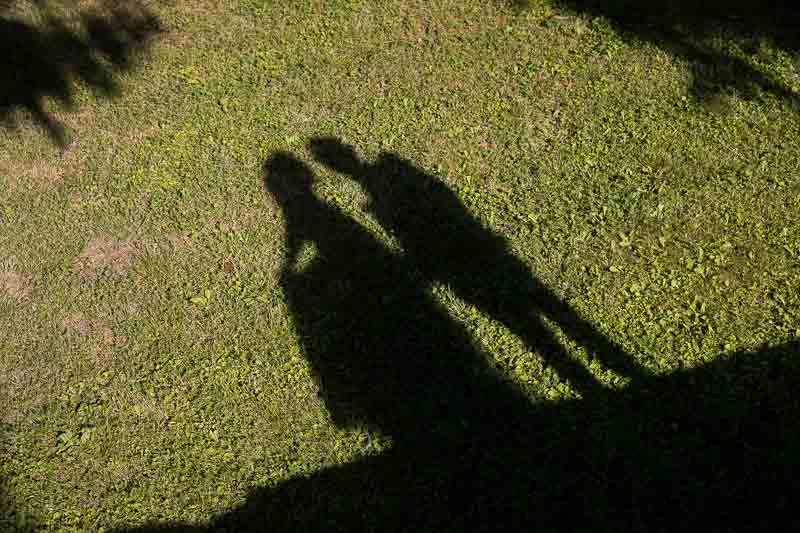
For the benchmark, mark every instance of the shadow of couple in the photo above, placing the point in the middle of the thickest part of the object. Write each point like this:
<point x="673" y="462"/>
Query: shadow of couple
<point x="441" y="242"/>
<point x="471" y="452"/>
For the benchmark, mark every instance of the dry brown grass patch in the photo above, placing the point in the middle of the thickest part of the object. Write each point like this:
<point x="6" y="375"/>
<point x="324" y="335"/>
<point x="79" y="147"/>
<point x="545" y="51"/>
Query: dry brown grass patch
<point x="179" y="241"/>
<point x="38" y="175"/>
<point x="75" y="324"/>
<point x="13" y="284"/>
<point x="228" y="266"/>
<point x="26" y="390"/>
<point x="97" y="338"/>
<point x="242" y="219"/>
<point x="104" y="253"/>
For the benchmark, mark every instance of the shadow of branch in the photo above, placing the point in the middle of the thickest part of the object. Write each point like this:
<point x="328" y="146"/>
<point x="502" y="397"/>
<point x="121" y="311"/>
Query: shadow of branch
<point x="684" y="28"/>
<point x="45" y="60"/>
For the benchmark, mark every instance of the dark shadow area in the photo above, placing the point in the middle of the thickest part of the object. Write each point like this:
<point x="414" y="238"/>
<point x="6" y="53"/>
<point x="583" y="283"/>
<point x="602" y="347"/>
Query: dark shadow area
<point x="443" y="243"/>
<point x="684" y="28"/>
<point x="7" y="512"/>
<point x="713" y="447"/>
<point x="11" y="518"/>
<point x="46" y="60"/>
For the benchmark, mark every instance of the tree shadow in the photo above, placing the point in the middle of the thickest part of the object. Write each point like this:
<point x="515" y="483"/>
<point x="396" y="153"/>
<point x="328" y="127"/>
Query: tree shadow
<point x="46" y="60"/>
<point x="715" y="446"/>
<point x="11" y="518"/>
<point x="686" y="29"/>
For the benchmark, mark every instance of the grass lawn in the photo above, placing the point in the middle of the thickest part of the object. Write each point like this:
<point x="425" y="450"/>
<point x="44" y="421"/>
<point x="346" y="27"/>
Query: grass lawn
<point x="406" y="265"/>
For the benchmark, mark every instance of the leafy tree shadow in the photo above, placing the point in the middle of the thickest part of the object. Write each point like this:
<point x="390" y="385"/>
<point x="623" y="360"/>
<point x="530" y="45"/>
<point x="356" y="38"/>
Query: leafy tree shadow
<point x="716" y="445"/>
<point x="685" y="29"/>
<point x="46" y="60"/>
<point x="11" y="518"/>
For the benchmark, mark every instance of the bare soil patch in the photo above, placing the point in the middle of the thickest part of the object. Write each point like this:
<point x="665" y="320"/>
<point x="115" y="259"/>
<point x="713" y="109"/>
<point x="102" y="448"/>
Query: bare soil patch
<point x="13" y="283"/>
<point x="103" y="253"/>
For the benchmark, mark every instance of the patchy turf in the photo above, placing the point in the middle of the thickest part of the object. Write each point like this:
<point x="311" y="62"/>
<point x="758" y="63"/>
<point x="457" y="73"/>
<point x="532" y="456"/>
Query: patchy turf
<point x="153" y="367"/>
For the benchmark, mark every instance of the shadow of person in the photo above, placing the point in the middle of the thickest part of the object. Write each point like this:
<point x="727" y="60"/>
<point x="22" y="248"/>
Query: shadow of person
<point x="716" y="446"/>
<point x="446" y="244"/>
<point x="387" y="355"/>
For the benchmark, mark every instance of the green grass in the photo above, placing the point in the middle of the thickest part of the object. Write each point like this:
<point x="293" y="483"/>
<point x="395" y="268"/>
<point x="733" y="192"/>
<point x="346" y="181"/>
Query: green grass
<point x="150" y="369"/>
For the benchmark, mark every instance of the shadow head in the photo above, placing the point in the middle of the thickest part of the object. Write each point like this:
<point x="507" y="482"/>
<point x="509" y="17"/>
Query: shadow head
<point x="287" y="178"/>
<point x="337" y="156"/>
